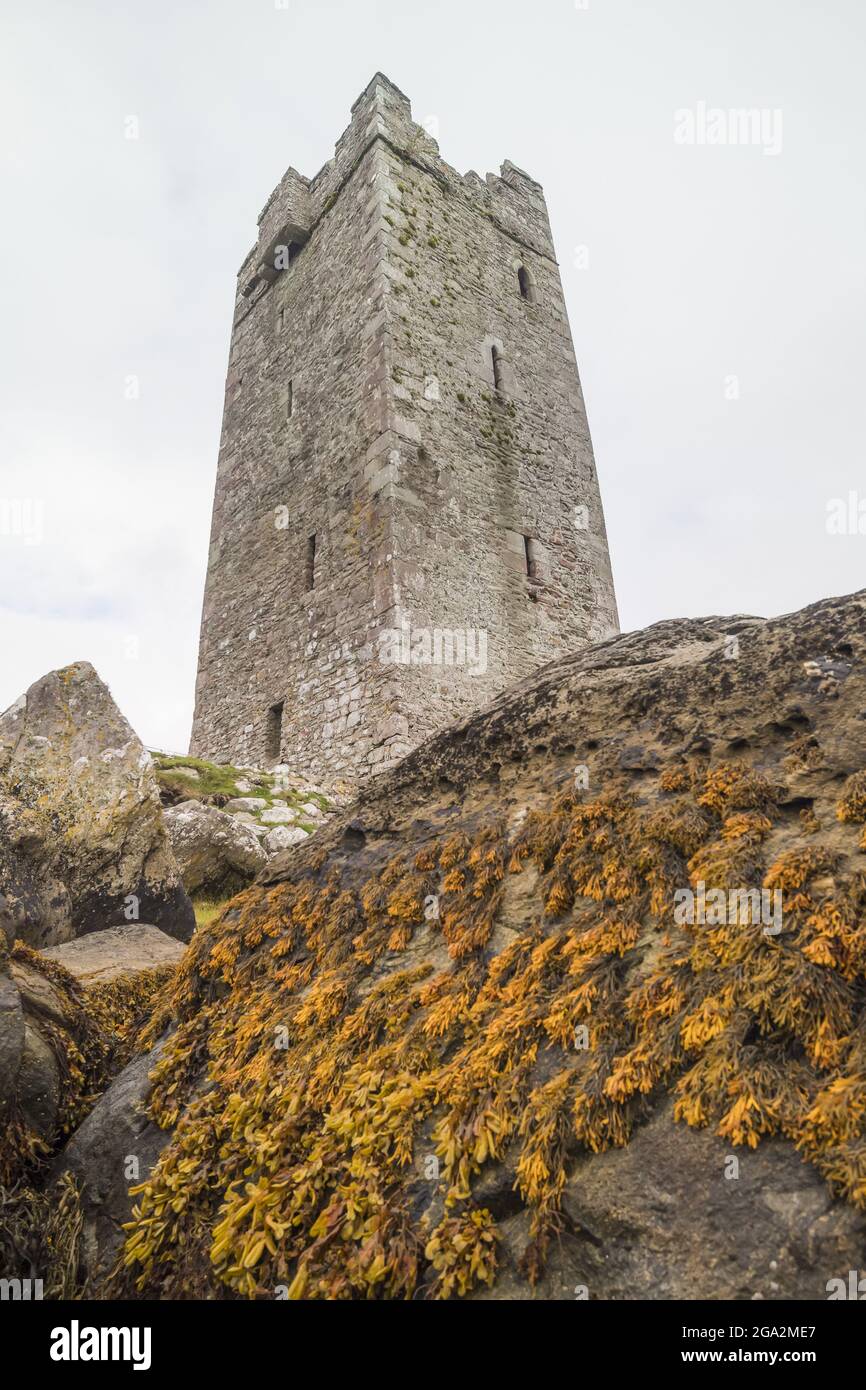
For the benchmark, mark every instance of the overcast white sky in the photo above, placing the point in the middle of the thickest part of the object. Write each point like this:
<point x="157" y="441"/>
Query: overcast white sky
<point x="701" y="264"/>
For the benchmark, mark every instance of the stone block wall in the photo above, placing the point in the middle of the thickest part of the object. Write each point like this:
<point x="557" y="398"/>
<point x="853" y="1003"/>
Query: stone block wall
<point x="407" y="516"/>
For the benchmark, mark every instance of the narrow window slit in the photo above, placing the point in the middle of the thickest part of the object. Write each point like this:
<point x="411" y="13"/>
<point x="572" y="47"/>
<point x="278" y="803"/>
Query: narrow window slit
<point x="497" y="367"/>
<point x="310" y="575"/>
<point x="274" y="732"/>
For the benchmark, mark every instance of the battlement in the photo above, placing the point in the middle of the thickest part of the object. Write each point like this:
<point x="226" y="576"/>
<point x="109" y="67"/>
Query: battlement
<point x="383" y="112"/>
<point x="378" y="83"/>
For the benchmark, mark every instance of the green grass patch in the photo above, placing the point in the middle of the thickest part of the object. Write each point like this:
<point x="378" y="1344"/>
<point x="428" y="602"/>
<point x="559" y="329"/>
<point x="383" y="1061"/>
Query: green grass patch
<point x="216" y="784"/>
<point x="207" y="910"/>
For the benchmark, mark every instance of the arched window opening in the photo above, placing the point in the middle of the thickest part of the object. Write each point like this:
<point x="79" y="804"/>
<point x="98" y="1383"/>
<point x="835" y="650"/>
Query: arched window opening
<point x="527" y="289"/>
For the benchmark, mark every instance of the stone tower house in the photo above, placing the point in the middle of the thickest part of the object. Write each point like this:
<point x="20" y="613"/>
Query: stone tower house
<point x="407" y="516"/>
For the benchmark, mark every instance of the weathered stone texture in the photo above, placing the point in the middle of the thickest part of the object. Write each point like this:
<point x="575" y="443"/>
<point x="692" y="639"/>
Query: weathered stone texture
<point x="402" y="386"/>
<point x="774" y="710"/>
<point x="116" y="953"/>
<point x="82" y="840"/>
<point x="98" y="1157"/>
<point x="212" y="848"/>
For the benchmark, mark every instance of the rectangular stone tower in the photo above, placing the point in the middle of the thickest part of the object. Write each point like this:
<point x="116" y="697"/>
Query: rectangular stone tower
<point x="407" y="516"/>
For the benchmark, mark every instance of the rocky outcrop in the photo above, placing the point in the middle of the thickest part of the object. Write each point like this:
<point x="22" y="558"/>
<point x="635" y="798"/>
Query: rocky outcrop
<point x="679" y="1214"/>
<point x="570" y="1001"/>
<point x="215" y="860"/>
<point x="212" y="849"/>
<point x="82" y="843"/>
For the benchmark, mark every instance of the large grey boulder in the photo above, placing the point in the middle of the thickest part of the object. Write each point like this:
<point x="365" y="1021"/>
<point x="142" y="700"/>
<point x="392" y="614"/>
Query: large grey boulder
<point x="56" y="1014"/>
<point x="82" y="842"/>
<point x="212" y="849"/>
<point x="103" y="956"/>
<point x="42" y="1026"/>
<point x="115" y="1147"/>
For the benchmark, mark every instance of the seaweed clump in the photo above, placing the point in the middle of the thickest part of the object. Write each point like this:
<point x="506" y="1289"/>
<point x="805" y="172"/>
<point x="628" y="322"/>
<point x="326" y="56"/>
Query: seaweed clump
<point x="91" y="1033"/>
<point x="347" y="1061"/>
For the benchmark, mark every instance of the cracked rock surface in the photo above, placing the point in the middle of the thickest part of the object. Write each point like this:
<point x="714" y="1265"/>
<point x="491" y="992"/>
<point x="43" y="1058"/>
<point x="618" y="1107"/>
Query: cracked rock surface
<point x="82" y="840"/>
